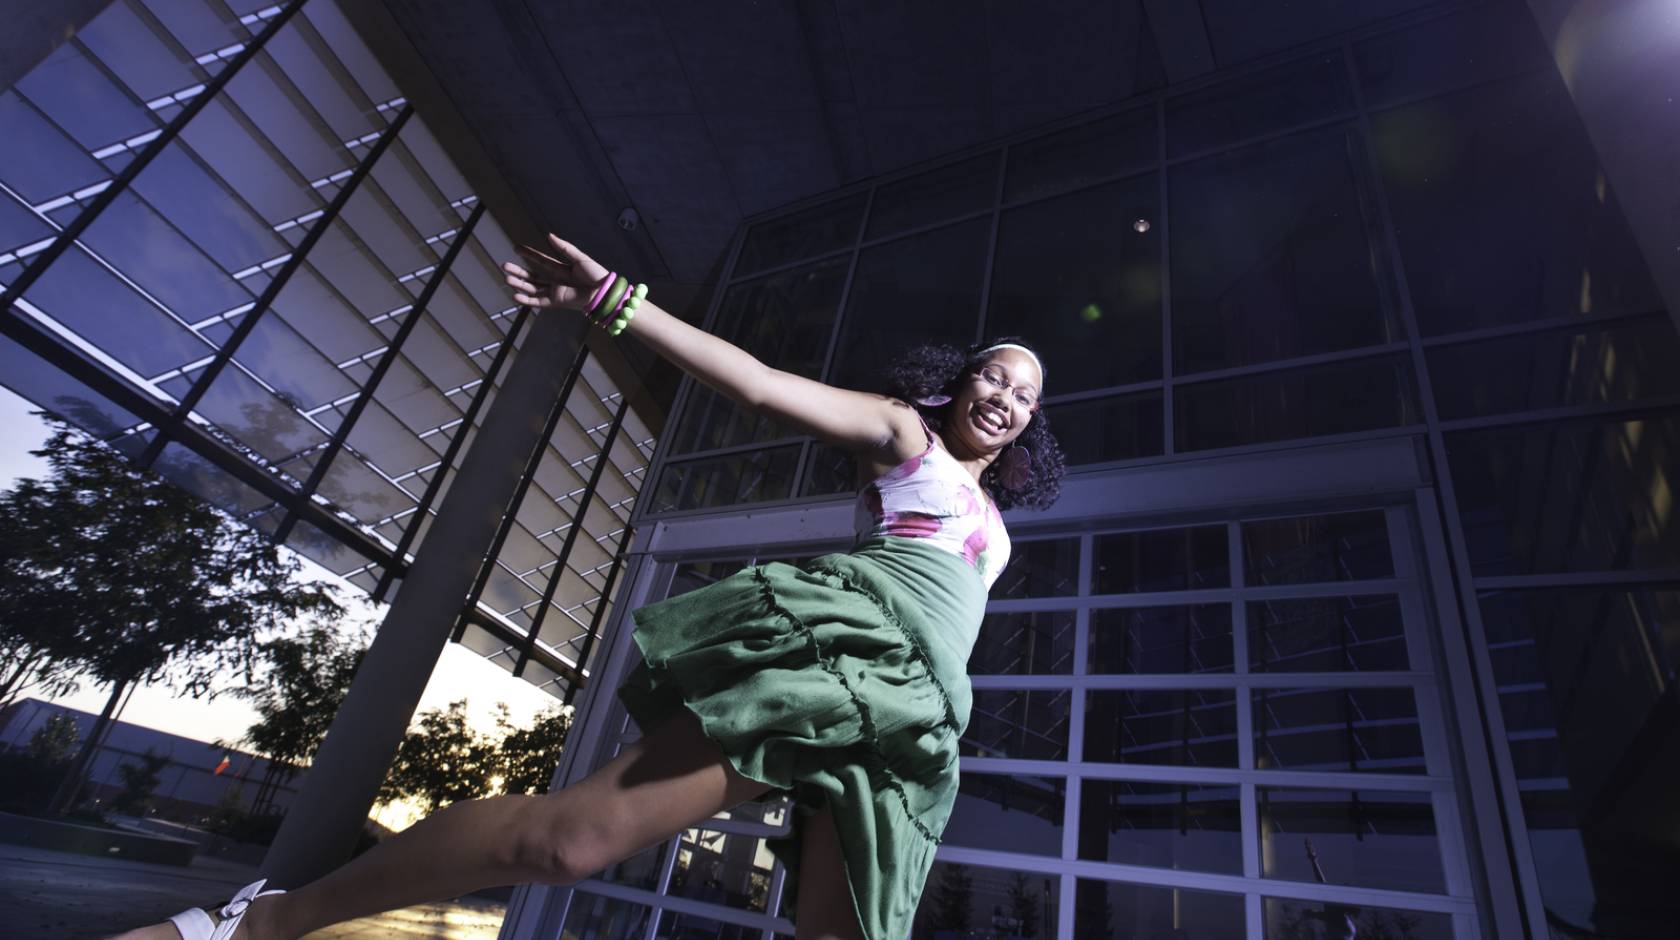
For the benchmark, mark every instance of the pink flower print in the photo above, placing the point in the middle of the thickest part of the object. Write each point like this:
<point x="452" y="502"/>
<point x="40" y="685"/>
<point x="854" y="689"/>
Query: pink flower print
<point x="967" y="505"/>
<point x="975" y="545"/>
<point x="902" y="470"/>
<point x="911" y="524"/>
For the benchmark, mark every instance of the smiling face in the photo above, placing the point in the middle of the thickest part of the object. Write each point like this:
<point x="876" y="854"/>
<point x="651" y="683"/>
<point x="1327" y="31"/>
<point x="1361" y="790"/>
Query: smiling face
<point x="984" y="417"/>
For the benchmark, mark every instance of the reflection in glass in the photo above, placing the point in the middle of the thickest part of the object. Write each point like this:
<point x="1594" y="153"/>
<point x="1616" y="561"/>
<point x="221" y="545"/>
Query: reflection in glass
<point x="1160" y="560"/>
<point x="1344" y="546"/>
<point x="1043" y="568"/>
<point x="1297" y="93"/>
<point x="934" y="196"/>
<point x="828" y="227"/>
<point x="1165" y="825"/>
<point x="1366" y="838"/>
<point x="829" y="470"/>
<point x="729" y="869"/>
<point x="1082" y="155"/>
<point x="1008" y="813"/>
<point x="727" y="480"/>
<point x="1137" y="640"/>
<point x="1309" y="920"/>
<point x="1586" y="683"/>
<point x="1125" y="427"/>
<point x="1364" y="730"/>
<point x="1270" y="255"/>
<point x="697" y="574"/>
<point x="1569" y="496"/>
<point x="1307" y="401"/>
<point x="1020" y="724"/>
<point x="1463" y="48"/>
<point x="1508" y="227"/>
<point x="592" y="917"/>
<point x="1179" y="727"/>
<point x="1073" y="273"/>
<point x="1031" y="643"/>
<point x="1326" y="634"/>
<point x="1555" y="368"/>
<point x="1112" y="910"/>
<point x="915" y="290"/>
<point x="972" y="901"/>
<point x="638" y="871"/>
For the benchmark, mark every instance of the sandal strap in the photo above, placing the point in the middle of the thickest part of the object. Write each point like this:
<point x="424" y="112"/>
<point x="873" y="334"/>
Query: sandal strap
<point x="193" y="924"/>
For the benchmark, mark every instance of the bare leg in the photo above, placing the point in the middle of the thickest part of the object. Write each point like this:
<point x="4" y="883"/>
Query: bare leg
<point x="825" y="899"/>
<point x="668" y="781"/>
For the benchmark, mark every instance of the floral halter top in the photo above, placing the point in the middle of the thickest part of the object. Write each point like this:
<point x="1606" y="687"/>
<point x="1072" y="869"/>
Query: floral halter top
<point x="931" y="497"/>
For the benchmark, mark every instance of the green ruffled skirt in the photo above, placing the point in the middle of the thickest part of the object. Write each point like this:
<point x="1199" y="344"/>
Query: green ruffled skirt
<point x="843" y="683"/>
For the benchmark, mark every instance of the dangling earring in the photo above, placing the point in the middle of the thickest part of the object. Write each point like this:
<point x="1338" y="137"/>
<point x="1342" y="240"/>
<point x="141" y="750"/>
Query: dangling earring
<point x="1015" y="467"/>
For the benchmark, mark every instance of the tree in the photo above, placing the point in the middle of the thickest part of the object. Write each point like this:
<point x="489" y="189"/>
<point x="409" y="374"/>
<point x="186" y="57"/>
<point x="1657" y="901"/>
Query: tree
<point x="115" y="575"/>
<point x="1023" y="906"/>
<point x="441" y="760"/>
<point x="139" y="780"/>
<point x="528" y="756"/>
<point x="954" y="900"/>
<point x="52" y="741"/>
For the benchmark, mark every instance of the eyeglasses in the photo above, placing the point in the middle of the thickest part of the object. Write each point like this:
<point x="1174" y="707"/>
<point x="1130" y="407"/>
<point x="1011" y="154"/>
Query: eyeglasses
<point x="997" y="378"/>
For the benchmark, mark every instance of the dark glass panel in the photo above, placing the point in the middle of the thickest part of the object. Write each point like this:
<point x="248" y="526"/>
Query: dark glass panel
<point x="1161" y="560"/>
<point x="232" y="148"/>
<point x="968" y="900"/>
<point x="82" y="100"/>
<point x="327" y="551"/>
<point x="219" y="223"/>
<point x="81" y="294"/>
<point x="829" y="470"/>
<point x="1165" y="825"/>
<point x="1556" y="368"/>
<point x="1139" y="640"/>
<point x="1297" y="93"/>
<point x="945" y="193"/>
<point x="51" y="166"/>
<point x="920" y="289"/>
<point x="49" y="388"/>
<point x="1271" y="257"/>
<point x="1343" y="546"/>
<point x="18" y="227"/>
<point x="785" y="320"/>
<point x="728" y="480"/>
<point x="1292" y="920"/>
<point x="828" y="227"/>
<point x="592" y="917"/>
<point x="1365" y="730"/>
<point x="1505" y="227"/>
<point x="257" y="419"/>
<point x="1019" y="724"/>
<point x="1586" y="685"/>
<point x="1075" y="274"/>
<point x="1114" y="910"/>
<point x="1568" y="496"/>
<point x="1008" y="814"/>
<point x="321" y="81"/>
<point x="691" y="575"/>
<point x="1326" y="634"/>
<point x="122" y="39"/>
<point x="1180" y="727"/>
<point x="1032" y="643"/>
<point x="1468" y="47"/>
<point x="721" y="868"/>
<point x="275" y="353"/>
<point x="187" y="470"/>
<point x="1043" y="568"/>
<point x="1366" y="838"/>
<point x="638" y="871"/>
<point x="1081" y="155"/>
<point x="149" y="251"/>
<point x="290" y="125"/>
<point x="1122" y="428"/>
<point x="1335" y="398"/>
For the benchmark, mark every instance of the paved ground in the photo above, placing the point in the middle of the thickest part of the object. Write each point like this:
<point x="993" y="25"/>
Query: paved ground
<point x="64" y="896"/>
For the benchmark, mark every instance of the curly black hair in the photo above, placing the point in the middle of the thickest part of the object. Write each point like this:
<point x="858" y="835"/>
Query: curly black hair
<point x="940" y="369"/>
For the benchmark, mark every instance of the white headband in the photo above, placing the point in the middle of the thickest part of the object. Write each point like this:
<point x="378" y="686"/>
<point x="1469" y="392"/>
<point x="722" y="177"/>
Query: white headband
<point x="1024" y="349"/>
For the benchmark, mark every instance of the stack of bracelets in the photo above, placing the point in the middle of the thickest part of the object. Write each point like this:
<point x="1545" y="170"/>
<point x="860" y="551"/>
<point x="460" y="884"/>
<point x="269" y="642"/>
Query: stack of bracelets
<point x="615" y="303"/>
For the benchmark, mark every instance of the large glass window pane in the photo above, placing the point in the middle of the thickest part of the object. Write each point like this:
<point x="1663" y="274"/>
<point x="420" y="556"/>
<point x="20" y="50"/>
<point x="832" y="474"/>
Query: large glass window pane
<point x="1288" y="919"/>
<point x="1586" y="683"/>
<point x="1020" y="644"/>
<point x="592" y="917"/>
<point x="1115" y="910"/>
<point x="1326" y="634"/>
<point x="1008" y="813"/>
<point x="728" y="480"/>
<point x="229" y="144"/>
<point x="217" y="220"/>
<point x="1343" y="546"/>
<point x="829" y="470"/>
<point x="1081" y="155"/>
<point x="1293" y="94"/>
<point x="1507" y="226"/>
<point x="138" y="54"/>
<point x="1139" y="640"/>
<point x="1166" y="825"/>
<point x="1368" y="838"/>
<point x="1043" y="568"/>
<point x="969" y="900"/>
<point x="1161" y="560"/>
<point x="729" y="869"/>
<point x="1486" y="41"/>
<point x="81" y="294"/>
<point x="51" y="166"/>
<point x="1184" y="728"/>
<point x="1126" y="427"/>
<point x="1569" y="496"/>
<point x="148" y="250"/>
<point x="921" y="289"/>
<point x="1365" y="730"/>
<point x="1076" y="274"/>
<point x="785" y="320"/>
<point x="1271" y="257"/>
<point x="1336" y="398"/>
<point x="934" y="196"/>
<point x="1556" y="368"/>
<point x="76" y="95"/>
<point x="1020" y="724"/>
<point x="828" y="227"/>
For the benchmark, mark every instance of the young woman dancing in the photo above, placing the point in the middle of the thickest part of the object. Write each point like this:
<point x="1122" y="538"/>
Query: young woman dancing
<point x="841" y="682"/>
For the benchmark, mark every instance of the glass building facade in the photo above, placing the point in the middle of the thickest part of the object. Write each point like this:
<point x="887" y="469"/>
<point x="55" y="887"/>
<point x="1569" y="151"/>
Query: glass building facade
<point x="1360" y="603"/>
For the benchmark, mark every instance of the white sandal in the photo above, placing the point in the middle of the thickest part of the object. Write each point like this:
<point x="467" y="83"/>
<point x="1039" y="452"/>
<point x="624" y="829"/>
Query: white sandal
<point x="195" y="924"/>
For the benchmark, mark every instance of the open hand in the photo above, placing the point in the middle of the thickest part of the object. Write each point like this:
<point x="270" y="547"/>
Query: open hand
<point x="568" y="279"/>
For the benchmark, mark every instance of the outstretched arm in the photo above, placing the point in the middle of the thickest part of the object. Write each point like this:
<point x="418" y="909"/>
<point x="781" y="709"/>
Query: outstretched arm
<point x="874" y="426"/>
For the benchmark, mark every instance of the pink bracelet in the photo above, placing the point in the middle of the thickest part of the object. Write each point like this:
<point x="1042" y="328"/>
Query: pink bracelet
<point x="600" y="291"/>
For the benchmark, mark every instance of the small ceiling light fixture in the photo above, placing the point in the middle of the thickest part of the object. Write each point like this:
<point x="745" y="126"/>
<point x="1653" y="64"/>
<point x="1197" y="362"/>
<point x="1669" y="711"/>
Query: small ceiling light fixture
<point x="629" y="220"/>
<point x="1140" y="226"/>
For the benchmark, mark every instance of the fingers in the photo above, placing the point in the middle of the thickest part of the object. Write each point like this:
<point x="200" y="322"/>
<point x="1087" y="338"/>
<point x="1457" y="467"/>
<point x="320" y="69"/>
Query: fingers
<point x="567" y="249"/>
<point x="529" y="301"/>
<point x="539" y="257"/>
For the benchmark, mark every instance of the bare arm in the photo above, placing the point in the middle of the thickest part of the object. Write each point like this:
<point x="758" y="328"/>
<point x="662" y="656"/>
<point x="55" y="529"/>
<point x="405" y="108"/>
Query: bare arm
<point x="873" y="426"/>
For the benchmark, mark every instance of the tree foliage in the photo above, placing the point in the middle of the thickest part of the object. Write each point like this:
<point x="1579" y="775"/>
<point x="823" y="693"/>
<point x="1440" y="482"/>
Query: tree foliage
<point x="138" y="782"/>
<point x="298" y="693"/>
<point x="955" y="898"/>
<point x="441" y="760"/>
<point x="528" y="756"/>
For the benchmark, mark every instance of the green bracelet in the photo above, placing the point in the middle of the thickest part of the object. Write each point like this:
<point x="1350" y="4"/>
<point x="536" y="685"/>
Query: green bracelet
<point x="615" y="293"/>
<point x="630" y="305"/>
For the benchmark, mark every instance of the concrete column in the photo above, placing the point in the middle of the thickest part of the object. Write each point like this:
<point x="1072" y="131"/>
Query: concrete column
<point x="322" y="824"/>
<point x="34" y="29"/>
<point x="1621" y="62"/>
